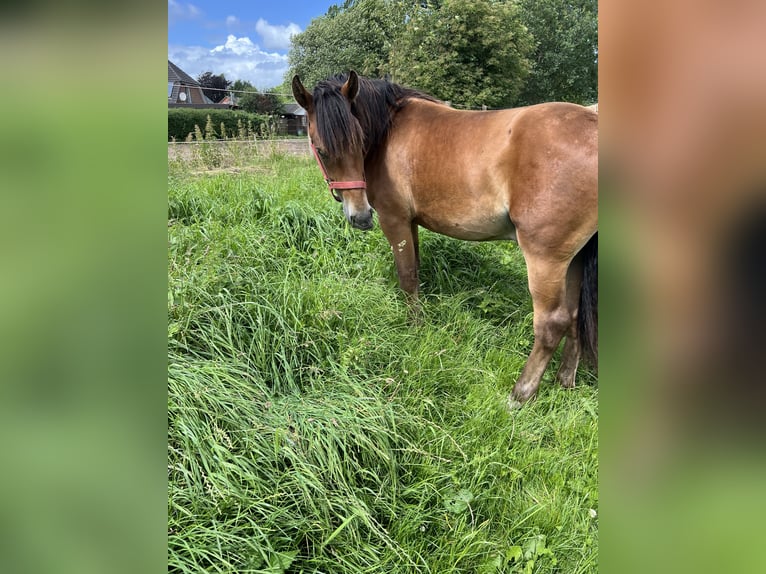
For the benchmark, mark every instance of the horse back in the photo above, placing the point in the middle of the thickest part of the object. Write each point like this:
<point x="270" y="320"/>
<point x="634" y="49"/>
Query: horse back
<point x="479" y="174"/>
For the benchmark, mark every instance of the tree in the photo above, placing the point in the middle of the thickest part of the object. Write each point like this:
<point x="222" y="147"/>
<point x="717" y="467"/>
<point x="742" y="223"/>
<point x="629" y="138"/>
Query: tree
<point x="239" y="86"/>
<point x="498" y="53"/>
<point x="219" y="84"/>
<point x="470" y="52"/>
<point x="259" y="103"/>
<point x="565" y="60"/>
<point x="357" y="35"/>
<point x="285" y="90"/>
<point x="250" y="99"/>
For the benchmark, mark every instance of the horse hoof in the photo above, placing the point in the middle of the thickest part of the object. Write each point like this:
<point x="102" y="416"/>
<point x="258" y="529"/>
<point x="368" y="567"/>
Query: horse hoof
<point x="513" y="404"/>
<point x="522" y="393"/>
<point x="415" y="313"/>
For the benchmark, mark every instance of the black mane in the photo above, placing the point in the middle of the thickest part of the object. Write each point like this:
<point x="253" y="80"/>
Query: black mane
<point x="370" y="115"/>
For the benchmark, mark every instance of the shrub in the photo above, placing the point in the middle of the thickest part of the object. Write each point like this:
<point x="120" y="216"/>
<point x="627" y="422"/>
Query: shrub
<point x="181" y="122"/>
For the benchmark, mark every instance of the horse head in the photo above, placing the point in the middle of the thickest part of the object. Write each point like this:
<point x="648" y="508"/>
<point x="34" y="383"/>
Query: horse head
<point x="338" y="143"/>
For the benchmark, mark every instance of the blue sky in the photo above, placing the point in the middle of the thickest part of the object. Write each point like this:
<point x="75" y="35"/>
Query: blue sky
<point x="242" y="40"/>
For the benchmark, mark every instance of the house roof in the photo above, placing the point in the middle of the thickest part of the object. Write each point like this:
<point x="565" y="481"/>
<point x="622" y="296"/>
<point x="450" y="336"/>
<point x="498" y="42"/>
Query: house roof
<point x="178" y="78"/>
<point x="176" y="74"/>
<point x="294" y="109"/>
<point x="229" y="101"/>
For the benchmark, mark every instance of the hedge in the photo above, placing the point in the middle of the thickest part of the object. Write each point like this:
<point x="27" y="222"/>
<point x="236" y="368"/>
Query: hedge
<point x="181" y="122"/>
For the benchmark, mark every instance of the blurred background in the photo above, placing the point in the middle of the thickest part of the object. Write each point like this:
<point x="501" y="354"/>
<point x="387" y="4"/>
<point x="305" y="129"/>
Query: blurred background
<point x="682" y="98"/>
<point x="682" y="94"/>
<point x="82" y="311"/>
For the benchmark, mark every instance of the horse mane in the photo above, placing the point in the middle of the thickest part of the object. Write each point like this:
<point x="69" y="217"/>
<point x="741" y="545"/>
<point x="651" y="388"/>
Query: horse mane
<point x="366" y="122"/>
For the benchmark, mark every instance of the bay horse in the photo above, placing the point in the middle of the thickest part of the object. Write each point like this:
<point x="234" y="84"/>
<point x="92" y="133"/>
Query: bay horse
<point x="526" y="174"/>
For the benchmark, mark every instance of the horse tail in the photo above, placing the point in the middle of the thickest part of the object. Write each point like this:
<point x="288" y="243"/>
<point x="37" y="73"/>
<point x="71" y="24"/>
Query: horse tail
<point x="587" y="316"/>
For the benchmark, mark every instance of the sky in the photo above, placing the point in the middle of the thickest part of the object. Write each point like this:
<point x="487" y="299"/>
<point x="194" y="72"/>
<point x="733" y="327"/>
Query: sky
<point x="241" y="40"/>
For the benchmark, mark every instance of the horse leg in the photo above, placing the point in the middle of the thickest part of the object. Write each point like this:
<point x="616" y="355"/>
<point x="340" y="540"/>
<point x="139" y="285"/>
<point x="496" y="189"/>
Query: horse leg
<point x="402" y="235"/>
<point x="552" y="319"/>
<point x="570" y="356"/>
<point x="415" y="243"/>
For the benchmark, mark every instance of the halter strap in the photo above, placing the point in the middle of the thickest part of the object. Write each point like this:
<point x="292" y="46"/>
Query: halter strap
<point x="333" y="185"/>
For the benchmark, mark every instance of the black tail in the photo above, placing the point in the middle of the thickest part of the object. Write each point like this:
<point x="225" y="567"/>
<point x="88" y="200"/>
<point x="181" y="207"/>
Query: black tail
<point x="587" y="317"/>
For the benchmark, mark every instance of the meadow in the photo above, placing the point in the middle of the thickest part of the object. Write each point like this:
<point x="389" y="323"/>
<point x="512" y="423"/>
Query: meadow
<point x="314" y="427"/>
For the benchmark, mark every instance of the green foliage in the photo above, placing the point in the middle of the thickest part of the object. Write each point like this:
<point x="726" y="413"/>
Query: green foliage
<point x="313" y="428"/>
<point x="565" y="61"/>
<point x="242" y="86"/>
<point x="358" y="35"/>
<point x="260" y="103"/>
<point x="181" y="122"/>
<point x="218" y="83"/>
<point x="252" y="100"/>
<point x="470" y="52"/>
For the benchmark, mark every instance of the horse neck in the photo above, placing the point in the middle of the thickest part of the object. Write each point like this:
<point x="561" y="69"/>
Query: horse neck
<point x="376" y="108"/>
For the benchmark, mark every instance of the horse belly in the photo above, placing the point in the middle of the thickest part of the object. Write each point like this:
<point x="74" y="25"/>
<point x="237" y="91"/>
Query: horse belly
<point x="471" y="225"/>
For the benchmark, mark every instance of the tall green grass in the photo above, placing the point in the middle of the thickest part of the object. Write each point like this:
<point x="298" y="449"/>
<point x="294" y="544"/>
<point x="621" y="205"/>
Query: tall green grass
<point x="314" y="428"/>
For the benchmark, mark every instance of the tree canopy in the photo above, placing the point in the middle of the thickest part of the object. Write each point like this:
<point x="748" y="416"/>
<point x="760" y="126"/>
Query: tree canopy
<point x="471" y="52"/>
<point x="565" y="60"/>
<point x="219" y="84"/>
<point x="250" y="99"/>
<point x="357" y="35"/>
<point x="497" y="53"/>
<point x="260" y="103"/>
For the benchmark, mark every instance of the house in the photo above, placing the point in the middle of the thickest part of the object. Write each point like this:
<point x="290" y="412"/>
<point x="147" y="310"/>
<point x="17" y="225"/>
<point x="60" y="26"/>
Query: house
<point x="293" y="120"/>
<point x="186" y="92"/>
<point x="230" y="102"/>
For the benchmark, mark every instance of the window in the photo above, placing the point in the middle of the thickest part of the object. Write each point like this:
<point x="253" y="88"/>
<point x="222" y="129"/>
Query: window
<point x="170" y="89"/>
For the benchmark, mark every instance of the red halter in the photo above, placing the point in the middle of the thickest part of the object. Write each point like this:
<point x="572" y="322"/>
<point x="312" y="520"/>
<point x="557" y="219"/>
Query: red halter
<point x="333" y="185"/>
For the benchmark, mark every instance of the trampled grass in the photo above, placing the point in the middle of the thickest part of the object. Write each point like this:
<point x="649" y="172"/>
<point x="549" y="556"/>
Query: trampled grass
<point x="313" y="427"/>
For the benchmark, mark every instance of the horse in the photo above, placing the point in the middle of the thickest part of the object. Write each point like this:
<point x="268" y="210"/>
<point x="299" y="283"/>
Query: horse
<point x="527" y="174"/>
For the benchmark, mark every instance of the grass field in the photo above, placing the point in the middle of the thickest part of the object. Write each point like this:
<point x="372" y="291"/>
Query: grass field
<point x="314" y="428"/>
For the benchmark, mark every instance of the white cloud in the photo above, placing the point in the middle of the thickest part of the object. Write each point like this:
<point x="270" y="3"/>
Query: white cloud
<point x="182" y="11"/>
<point x="276" y="37"/>
<point x="232" y="21"/>
<point x="238" y="46"/>
<point x="237" y="59"/>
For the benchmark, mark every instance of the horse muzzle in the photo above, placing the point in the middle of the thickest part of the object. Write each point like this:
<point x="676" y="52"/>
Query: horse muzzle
<point x="361" y="221"/>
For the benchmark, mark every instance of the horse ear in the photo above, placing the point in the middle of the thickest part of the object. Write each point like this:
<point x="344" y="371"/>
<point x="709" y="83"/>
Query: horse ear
<point x="302" y="95"/>
<point x="351" y="88"/>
